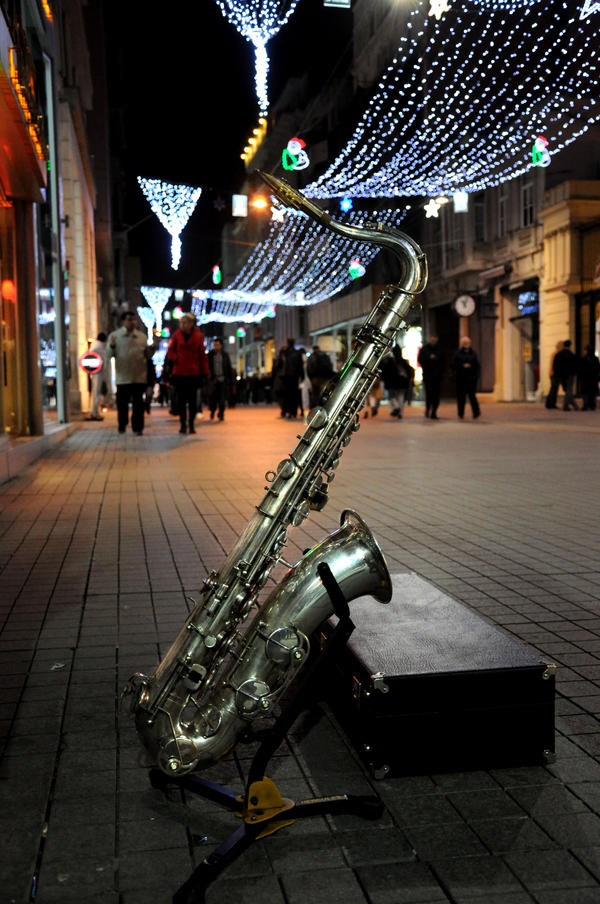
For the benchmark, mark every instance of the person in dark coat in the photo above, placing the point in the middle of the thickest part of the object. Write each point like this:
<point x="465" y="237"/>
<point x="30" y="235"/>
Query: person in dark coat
<point x="221" y="378"/>
<point x="564" y="369"/>
<point x="589" y="375"/>
<point x="466" y="370"/>
<point x="397" y="375"/>
<point x="292" y="373"/>
<point x="319" y="372"/>
<point x="430" y="361"/>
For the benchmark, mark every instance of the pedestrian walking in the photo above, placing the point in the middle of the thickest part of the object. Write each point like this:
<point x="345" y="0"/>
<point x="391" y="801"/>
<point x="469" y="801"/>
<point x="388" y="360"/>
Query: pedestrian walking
<point x="97" y="379"/>
<point x="589" y="375"/>
<point x="466" y="370"/>
<point x="304" y="388"/>
<point x="373" y="399"/>
<point x="554" y="381"/>
<point x="129" y="347"/>
<point x="564" y="370"/>
<point x="430" y="362"/>
<point x="397" y="375"/>
<point x="292" y="373"/>
<point x="150" y="384"/>
<point x="319" y="371"/>
<point x="187" y="352"/>
<point x="221" y="378"/>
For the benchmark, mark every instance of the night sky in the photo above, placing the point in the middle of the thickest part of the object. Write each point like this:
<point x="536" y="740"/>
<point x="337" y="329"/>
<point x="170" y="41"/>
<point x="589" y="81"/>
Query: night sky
<point x="183" y="85"/>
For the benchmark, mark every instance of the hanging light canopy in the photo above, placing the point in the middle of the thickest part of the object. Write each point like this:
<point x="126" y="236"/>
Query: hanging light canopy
<point x="466" y="96"/>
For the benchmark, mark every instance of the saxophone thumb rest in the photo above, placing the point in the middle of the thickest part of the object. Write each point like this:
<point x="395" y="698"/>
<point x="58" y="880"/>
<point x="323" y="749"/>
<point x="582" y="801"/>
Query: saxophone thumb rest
<point x="401" y="245"/>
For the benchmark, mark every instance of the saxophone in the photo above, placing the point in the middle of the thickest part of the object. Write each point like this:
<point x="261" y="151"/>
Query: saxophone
<point x="219" y="675"/>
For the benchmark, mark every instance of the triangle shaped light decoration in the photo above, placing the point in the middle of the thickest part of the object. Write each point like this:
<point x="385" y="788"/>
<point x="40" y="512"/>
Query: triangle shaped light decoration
<point x="146" y="315"/>
<point x="258" y="21"/>
<point x="173" y="205"/>
<point x="157" y="298"/>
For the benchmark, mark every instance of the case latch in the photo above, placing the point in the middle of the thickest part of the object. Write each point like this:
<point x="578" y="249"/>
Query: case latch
<point x="378" y="682"/>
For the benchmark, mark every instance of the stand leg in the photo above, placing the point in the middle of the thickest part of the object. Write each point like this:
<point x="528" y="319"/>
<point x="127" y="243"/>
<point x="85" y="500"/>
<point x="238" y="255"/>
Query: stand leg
<point x="193" y="890"/>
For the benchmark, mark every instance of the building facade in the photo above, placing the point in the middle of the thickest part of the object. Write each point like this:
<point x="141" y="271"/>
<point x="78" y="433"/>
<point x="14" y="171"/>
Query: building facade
<point x="51" y="308"/>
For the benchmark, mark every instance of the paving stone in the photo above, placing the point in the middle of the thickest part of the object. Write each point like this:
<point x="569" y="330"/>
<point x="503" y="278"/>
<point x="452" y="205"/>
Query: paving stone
<point x="542" y="870"/>
<point x="473" y="877"/>
<point x="401" y="883"/>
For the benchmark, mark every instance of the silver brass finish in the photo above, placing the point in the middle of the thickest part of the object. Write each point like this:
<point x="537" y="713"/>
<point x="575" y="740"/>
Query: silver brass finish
<point x="214" y="679"/>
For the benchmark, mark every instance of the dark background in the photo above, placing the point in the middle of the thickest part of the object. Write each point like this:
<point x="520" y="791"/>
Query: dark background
<point x="183" y="104"/>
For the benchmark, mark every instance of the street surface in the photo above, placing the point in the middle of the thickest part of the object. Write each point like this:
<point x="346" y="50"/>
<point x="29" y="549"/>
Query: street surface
<point x="104" y="538"/>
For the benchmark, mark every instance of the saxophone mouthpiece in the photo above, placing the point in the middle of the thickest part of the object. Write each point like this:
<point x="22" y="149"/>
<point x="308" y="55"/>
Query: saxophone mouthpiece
<point x="291" y="197"/>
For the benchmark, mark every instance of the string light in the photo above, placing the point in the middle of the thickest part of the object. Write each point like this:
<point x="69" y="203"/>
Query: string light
<point x="258" y="21"/>
<point x="173" y="205"/>
<point x="456" y="109"/>
<point x="157" y="297"/>
<point x="146" y="315"/>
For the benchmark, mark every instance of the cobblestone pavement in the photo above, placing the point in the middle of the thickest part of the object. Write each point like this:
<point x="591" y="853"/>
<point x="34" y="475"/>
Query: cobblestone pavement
<point x="104" y="538"/>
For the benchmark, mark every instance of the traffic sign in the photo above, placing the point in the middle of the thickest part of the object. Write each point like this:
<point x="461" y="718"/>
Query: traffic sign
<point x="91" y="362"/>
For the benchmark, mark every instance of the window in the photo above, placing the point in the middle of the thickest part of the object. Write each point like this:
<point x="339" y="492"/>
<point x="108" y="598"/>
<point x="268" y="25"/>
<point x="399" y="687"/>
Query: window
<point x="479" y="216"/>
<point x="502" y="211"/>
<point x="527" y="211"/>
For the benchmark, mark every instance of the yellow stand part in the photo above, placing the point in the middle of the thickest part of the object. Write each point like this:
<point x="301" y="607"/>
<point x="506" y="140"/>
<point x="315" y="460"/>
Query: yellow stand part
<point x="265" y="802"/>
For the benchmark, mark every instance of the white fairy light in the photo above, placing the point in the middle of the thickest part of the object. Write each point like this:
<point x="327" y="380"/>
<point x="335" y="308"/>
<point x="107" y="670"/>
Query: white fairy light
<point x="459" y="106"/>
<point x="146" y="315"/>
<point x="173" y="205"/>
<point x="157" y="297"/>
<point x="258" y="21"/>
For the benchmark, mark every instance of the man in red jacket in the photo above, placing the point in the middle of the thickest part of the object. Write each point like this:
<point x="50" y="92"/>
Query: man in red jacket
<point x="188" y="354"/>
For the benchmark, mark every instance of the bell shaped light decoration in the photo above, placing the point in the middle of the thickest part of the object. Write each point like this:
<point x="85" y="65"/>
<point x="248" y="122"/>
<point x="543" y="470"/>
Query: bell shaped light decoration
<point x="146" y="315"/>
<point x="258" y="21"/>
<point x="173" y="205"/>
<point x="157" y="297"/>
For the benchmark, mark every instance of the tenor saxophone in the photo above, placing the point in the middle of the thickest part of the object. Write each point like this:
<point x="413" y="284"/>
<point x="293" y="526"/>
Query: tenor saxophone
<point x="228" y="666"/>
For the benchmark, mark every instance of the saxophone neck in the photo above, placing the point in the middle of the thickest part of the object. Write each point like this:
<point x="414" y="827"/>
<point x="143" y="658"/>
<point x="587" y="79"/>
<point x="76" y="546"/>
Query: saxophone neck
<point x="405" y="249"/>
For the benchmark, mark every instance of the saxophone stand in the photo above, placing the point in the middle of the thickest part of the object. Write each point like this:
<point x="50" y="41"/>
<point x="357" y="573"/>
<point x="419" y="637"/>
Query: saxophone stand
<point x="262" y="808"/>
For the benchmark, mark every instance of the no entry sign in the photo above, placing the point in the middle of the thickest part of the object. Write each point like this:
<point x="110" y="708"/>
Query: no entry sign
<point x="91" y="362"/>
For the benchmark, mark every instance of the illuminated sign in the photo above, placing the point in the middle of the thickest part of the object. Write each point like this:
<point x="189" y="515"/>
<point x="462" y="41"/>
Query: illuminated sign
<point x="239" y="205"/>
<point x="22" y="79"/>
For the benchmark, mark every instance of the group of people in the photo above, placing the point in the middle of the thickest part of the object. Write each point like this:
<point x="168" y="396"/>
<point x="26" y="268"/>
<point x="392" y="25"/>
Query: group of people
<point x="299" y="379"/>
<point x="189" y="366"/>
<point x="566" y="368"/>
<point x="398" y="378"/>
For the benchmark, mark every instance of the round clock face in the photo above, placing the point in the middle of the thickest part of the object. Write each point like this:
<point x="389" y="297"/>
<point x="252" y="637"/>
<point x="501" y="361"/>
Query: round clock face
<point x="464" y="305"/>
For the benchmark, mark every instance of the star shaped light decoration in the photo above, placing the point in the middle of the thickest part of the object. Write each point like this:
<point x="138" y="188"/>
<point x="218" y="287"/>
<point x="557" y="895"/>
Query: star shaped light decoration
<point x="432" y="208"/>
<point x="438" y="8"/>
<point x="589" y="7"/>
<point x="277" y="214"/>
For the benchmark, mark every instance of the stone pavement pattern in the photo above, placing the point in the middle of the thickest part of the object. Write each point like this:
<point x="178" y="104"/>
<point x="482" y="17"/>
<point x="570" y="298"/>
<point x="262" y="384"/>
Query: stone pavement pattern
<point x="103" y="540"/>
